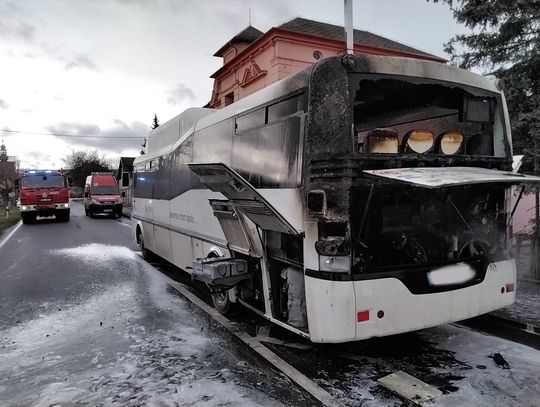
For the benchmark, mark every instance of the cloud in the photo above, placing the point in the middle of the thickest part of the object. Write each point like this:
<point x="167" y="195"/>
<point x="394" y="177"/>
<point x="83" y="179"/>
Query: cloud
<point x="179" y="93"/>
<point x="36" y="159"/>
<point x="113" y="139"/>
<point x="81" y="61"/>
<point x="3" y="104"/>
<point x="20" y="30"/>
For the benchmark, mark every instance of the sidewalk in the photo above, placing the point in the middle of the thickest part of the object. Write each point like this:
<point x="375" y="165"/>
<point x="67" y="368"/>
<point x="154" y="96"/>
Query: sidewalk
<point x="526" y="309"/>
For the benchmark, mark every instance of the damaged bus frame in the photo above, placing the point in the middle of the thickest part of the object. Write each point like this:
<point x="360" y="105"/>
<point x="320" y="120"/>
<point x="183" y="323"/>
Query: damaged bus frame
<point x="363" y="196"/>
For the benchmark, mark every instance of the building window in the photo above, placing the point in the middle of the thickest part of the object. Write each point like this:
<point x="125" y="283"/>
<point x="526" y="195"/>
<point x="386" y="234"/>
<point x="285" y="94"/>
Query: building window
<point x="229" y="98"/>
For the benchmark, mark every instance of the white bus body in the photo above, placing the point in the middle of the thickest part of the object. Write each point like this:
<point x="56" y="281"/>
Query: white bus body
<point x="362" y="197"/>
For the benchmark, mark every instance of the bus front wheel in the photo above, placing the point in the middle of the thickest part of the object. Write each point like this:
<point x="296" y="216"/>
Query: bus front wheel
<point x="147" y="254"/>
<point x="222" y="302"/>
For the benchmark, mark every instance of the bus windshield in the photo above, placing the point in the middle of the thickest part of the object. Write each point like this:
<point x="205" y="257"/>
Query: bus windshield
<point x="105" y="190"/>
<point x="396" y="226"/>
<point x="400" y="115"/>
<point x="43" y="181"/>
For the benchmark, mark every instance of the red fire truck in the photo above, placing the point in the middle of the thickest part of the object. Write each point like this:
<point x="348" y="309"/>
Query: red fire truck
<point x="44" y="193"/>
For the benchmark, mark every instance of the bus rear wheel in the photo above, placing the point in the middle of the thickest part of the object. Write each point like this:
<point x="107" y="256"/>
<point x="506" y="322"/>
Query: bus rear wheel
<point x="147" y="254"/>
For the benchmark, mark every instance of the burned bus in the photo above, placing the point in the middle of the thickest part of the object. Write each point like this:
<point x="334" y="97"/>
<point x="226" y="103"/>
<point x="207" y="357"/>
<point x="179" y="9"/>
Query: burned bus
<point x="363" y="196"/>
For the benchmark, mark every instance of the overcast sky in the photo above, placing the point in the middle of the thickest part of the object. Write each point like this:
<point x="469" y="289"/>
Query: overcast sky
<point x="104" y="67"/>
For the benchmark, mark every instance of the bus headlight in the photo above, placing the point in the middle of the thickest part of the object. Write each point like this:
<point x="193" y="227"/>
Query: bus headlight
<point x="23" y="208"/>
<point x="334" y="263"/>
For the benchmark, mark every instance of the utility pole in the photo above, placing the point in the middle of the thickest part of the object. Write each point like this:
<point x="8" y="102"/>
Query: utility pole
<point x="536" y="250"/>
<point x="349" y="30"/>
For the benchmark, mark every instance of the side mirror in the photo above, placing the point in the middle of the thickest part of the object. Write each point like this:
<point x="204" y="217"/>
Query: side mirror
<point x="123" y="194"/>
<point x="86" y="195"/>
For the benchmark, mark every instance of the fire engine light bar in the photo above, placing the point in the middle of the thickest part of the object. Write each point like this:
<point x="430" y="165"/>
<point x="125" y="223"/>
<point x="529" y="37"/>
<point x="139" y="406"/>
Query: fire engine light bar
<point x="362" y="316"/>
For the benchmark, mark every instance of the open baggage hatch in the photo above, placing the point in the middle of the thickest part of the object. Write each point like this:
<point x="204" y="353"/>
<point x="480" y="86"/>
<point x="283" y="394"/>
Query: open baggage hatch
<point x="443" y="177"/>
<point x="243" y="196"/>
<point x="439" y="177"/>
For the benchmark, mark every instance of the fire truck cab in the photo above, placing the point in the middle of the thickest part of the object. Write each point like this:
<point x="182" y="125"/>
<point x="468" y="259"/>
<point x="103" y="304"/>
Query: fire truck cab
<point x="102" y="195"/>
<point x="44" y="193"/>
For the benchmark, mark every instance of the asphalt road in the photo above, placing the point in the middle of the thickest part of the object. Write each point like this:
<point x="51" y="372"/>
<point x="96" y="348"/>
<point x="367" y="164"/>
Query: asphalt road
<point x="85" y="321"/>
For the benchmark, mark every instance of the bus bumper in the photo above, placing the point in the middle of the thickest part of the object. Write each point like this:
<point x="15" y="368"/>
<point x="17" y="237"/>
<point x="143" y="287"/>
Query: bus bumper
<point x="343" y="311"/>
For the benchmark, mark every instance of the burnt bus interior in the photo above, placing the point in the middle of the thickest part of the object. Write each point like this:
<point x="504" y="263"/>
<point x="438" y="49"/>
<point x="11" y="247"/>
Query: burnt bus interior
<point x="397" y="227"/>
<point x="419" y="117"/>
<point x="388" y="228"/>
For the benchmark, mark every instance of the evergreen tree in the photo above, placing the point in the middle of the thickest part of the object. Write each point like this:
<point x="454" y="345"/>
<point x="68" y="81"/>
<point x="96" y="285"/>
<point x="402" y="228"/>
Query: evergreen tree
<point x="505" y="41"/>
<point x="155" y="123"/>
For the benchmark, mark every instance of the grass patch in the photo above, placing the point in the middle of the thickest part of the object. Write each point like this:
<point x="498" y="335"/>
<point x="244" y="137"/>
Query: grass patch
<point x="7" y="221"/>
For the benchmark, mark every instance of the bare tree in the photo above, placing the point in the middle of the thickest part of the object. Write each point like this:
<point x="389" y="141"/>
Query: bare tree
<point x="80" y="164"/>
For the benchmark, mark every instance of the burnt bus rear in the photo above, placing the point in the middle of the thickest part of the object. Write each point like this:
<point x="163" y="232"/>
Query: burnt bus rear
<point x="386" y="188"/>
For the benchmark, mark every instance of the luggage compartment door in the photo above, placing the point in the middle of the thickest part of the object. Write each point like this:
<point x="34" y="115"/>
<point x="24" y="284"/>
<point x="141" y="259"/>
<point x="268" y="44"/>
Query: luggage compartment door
<point x="233" y="228"/>
<point x="245" y="199"/>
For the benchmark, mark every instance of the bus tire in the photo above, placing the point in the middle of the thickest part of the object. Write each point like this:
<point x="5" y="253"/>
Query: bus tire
<point x="147" y="254"/>
<point x="222" y="302"/>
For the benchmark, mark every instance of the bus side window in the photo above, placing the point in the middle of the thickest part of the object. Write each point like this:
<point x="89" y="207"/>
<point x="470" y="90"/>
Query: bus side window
<point x="143" y="182"/>
<point x="251" y="120"/>
<point x="181" y="178"/>
<point x="161" y="177"/>
<point x="286" y="108"/>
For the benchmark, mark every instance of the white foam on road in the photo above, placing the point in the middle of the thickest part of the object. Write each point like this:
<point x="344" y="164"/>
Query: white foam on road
<point x="149" y="351"/>
<point x="96" y="253"/>
<point x="490" y="386"/>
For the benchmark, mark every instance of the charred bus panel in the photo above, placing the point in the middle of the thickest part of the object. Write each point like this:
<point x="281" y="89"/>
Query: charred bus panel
<point x="407" y="255"/>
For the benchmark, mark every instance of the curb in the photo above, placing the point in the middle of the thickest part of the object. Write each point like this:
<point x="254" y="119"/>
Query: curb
<point x="528" y="280"/>
<point x="511" y="323"/>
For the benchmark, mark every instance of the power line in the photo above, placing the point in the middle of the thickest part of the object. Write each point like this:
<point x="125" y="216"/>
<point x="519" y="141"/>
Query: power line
<point x="70" y="135"/>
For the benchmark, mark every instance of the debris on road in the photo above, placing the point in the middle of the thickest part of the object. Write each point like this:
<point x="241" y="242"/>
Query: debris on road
<point x="500" y="361"/>
<point x="409" y="387"/>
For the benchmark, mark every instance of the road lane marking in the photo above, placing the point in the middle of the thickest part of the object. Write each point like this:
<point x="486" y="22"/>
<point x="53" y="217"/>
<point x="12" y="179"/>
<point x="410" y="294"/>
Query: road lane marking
<point x="4" y="241"/>
<point x="300" y="379"/>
